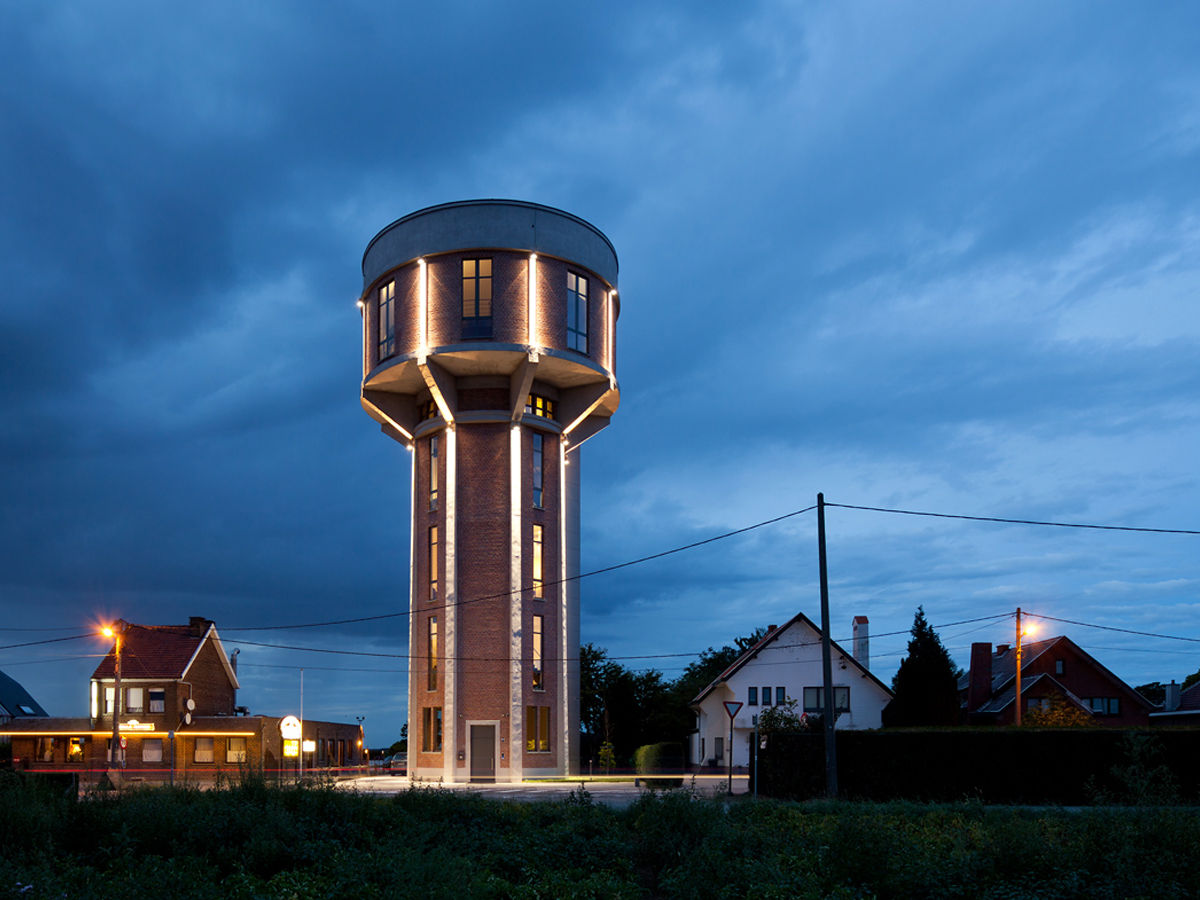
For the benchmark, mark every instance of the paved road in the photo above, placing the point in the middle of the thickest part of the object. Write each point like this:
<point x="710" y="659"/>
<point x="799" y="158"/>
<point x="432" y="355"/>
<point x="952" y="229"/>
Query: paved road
<point x="618" y="794"/>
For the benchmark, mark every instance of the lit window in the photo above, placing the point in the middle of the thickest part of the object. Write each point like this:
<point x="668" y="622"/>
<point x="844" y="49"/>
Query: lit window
<point x="537" y="729"/>
<point x="204" y="750"/>
<point x="152" y="750"/>
<point x="429" y="410"/>
<point x="109" y="694"/>
<point x="780" y="696"/>
<point x="431" y="668"/>
<point x="158" y="700"/>
<point x="433" y="563"/>
<point x="537" y="405"/>
<point x="577" y="323"/>
<point x="539" y="680"/>
<point x="477" y="298"/>
<point x="431" y="729"/>
<point x="537" y="562"/>
<point x="75" y="750"/>
<point x="752" y="696"/>
<point x="133" y="699"/>
<point x="538" y="459"/>
<point x="766" y="696"/>
<point x="235" y="750"/>
<point x="45" y="749"/>
<point x="433" y="472"/>
<point x="387" y="320"/>
<point x="814" y="699"/>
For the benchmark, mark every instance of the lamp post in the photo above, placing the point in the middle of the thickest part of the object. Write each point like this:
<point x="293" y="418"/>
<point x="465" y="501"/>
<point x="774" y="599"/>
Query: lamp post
<point x="1017" y="718"/>
<point x="116" y="631"/>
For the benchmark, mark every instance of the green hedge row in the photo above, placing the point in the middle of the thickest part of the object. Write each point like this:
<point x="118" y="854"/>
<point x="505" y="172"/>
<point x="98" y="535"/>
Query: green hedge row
<point x="994" y="765"/>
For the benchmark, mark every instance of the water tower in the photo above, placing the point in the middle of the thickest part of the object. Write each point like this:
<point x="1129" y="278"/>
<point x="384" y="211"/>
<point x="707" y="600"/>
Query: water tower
<point x="489" y="351"/>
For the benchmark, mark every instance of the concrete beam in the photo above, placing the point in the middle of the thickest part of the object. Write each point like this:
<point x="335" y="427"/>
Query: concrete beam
<point x="441" y="385"/>
<point x="521" y="383"/>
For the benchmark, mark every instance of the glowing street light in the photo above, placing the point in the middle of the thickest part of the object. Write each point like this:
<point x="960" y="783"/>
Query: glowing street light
<point x="1028" y="629"/>
<point x="116" y="631"/>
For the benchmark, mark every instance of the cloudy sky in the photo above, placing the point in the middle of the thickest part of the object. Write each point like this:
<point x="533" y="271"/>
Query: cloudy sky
<point x="937" y="257"/>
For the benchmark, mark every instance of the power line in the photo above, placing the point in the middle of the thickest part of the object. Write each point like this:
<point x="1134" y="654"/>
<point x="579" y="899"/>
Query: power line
<point x="74" y="637"/>
<point x="509" y="593"/>
<point x="1168" y="637"/>
<point x="936" y="515"/>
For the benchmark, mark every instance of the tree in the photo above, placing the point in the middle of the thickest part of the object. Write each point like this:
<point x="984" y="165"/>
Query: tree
<point x="926" y="684"/>
<point x="1061" y="714"/>
<point x="1191" y="679"/>
<point x="1155" y="692"/>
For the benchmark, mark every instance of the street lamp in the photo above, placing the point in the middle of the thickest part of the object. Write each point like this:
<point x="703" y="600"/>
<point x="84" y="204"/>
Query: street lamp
<point x="1020" y="633"/>
<point x="116" y="631"/>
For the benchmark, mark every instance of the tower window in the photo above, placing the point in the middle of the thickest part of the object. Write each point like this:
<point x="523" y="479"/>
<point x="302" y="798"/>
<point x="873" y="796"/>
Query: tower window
<point x="431" y="729"/>
<point x="429" y="410"/>
<point x="540" y="406"/>
<point x="537" y="562"/>
<point x="433" y="563"/>
<point x="433" y="472"/>
<point x="577" y="320"/>
<point x="386" y="326"/>
<point x="477" y="298"/>
<point x="538" y="459"/>
<point x="539" y="678"/>
<point x="431" y="666"/>
<point x="537" y="729"/>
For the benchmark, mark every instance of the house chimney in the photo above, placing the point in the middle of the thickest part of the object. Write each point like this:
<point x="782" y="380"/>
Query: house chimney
<point x="233" y="659"/>
<point x="771" y="628"/>
<point x="862" y="641"/>
<point x="198" y="625"/>
<point x="1171" y="701"/>
<point x="1001" y="649"/>
<point x="979" y="677"/>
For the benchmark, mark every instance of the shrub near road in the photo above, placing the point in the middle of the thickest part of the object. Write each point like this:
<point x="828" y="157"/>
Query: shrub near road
<point x="257" y="841"/>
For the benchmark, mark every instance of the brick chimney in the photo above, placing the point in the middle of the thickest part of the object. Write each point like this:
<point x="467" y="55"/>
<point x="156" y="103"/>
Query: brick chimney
<point x="198" y="625"/>
<point x="979" y="684"/>
<point x="862" y="641"/>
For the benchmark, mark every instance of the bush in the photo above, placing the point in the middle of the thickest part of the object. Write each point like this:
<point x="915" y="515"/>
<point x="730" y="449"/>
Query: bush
<point x="660" y="759"/>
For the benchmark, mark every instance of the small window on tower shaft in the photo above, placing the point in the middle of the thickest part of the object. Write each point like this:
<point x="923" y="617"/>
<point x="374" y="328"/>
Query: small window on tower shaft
<point x="577" y="316"/>
<point x="386" y="329"/>
<point x="477" y="299"/>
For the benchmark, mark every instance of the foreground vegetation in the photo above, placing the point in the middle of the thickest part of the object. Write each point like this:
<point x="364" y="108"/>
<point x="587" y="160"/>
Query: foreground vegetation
<point x="253" y="840"/>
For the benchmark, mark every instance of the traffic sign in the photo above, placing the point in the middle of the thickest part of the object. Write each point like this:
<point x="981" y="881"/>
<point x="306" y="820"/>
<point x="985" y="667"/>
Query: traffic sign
<point x="732" y="707"/>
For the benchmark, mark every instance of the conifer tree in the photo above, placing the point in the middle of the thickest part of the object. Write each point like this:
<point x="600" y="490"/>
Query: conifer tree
<point x="926" y="684"/>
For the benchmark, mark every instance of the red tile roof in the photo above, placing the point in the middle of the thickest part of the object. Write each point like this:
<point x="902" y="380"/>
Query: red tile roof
<point x="154" y="651"/>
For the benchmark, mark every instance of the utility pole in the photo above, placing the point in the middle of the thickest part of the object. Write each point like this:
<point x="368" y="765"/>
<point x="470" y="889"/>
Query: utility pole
<point x="1017" y="717"/>
<point x="117" y="630"/>
<point x="831" y="785"/>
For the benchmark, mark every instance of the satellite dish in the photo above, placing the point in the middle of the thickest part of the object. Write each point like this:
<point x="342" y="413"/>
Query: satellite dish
<point x="187" y="718"/>
<point x="191" y="704"/>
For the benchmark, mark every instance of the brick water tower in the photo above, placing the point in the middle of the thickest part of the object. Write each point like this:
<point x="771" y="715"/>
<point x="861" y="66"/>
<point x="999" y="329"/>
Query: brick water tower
<point x="489" y="352"/>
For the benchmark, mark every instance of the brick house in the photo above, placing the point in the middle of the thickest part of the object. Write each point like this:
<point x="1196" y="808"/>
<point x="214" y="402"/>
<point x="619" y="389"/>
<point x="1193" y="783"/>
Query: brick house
<point x="1056" y="669"/>
<point x="176" y="716"/>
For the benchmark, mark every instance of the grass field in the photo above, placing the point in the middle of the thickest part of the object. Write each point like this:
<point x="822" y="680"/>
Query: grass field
<point x="255" y="840"/>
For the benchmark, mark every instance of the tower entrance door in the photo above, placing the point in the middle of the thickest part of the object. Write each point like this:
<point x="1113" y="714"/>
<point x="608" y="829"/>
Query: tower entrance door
<point x="483" y="752"/>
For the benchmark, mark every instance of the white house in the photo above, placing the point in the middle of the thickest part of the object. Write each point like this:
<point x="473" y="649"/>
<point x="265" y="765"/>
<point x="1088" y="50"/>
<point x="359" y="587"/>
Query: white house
<point x="785" y="665"/>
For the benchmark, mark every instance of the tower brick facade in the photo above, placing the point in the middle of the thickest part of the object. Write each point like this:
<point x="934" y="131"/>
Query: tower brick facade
<point x="489" y="351"/>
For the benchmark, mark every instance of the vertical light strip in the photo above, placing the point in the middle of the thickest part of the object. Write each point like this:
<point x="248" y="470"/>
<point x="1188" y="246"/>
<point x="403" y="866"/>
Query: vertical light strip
<point x="533" y="341"/>
<point x="362" y="310"/>
<point x="516" y="742"/>
<point x="450" y="640"/>
<point x="564" y="648"/>
<point x="423" y="308"/>
<point x="413" y="699"/>
<point x="612" y="332"/>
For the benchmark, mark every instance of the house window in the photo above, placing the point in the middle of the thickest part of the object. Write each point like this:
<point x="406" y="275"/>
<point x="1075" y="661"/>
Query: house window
<point x="538" y="459"/>
<point x="540" y="406"/>
<point x="814" y="700"/>
<point x="537" y="562"/>
<point x="158" y="700"/>
<point x="780" y="696"/>
<point x="75" y="750"/>
<point x="45" y="749"/>
<point x="431" y="729"/>
<point x="431" y="667"/>
<point x="1059" y="666"/>
<point x="752" y="696"/>
<point x="718" y="748"/>
<point x="577" y="289"/>
<point x="477" y="298"/>
<point x="387" y="320"/>
<point x="204" y="750"/>
<point x="537" y="729"/>
<point x="539" y="680"/>
<point x="109" y="694"/>
<point x="1104" y="706"/>
<point x="428" y="410"/>
<point x="766" y="696"/>
<point x="152" y="750"/>
<point x="433" y="472"/>
<point x="235" y="750"/>
<point x="133" y="699"/>
<point x="1037" y="703"/>
<point x="433" y="563"/>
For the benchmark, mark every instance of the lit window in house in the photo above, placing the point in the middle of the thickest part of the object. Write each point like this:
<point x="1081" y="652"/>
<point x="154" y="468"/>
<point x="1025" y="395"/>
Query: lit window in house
<point x="539" y="680"/>
<point x="537" y="562"/>
<point x="431" y="729"/>
<point x="429" y="410"/>
<point x="75" y="750"/>
<point x="537" y="405"/>
<point x="752" y="696"/>
<point x="133" y="699"/>
<point x="433" y="563"/>
<point x="431" y="668"/>
<point x="538" y="459"/>
<point x="152" y="749"/>
<point x="476" y="298"/>
<point x="577" y="323"/>
<point x="537" y="729"/>
<point x="109" y="694"/>
<point x="814" y="699"/>
<point x="204" y="750"/>
<point x="433" y="472"/>
<point x="235" y="750"/>
<point x="387" y="320"/>
<point x="158" y="700"/>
